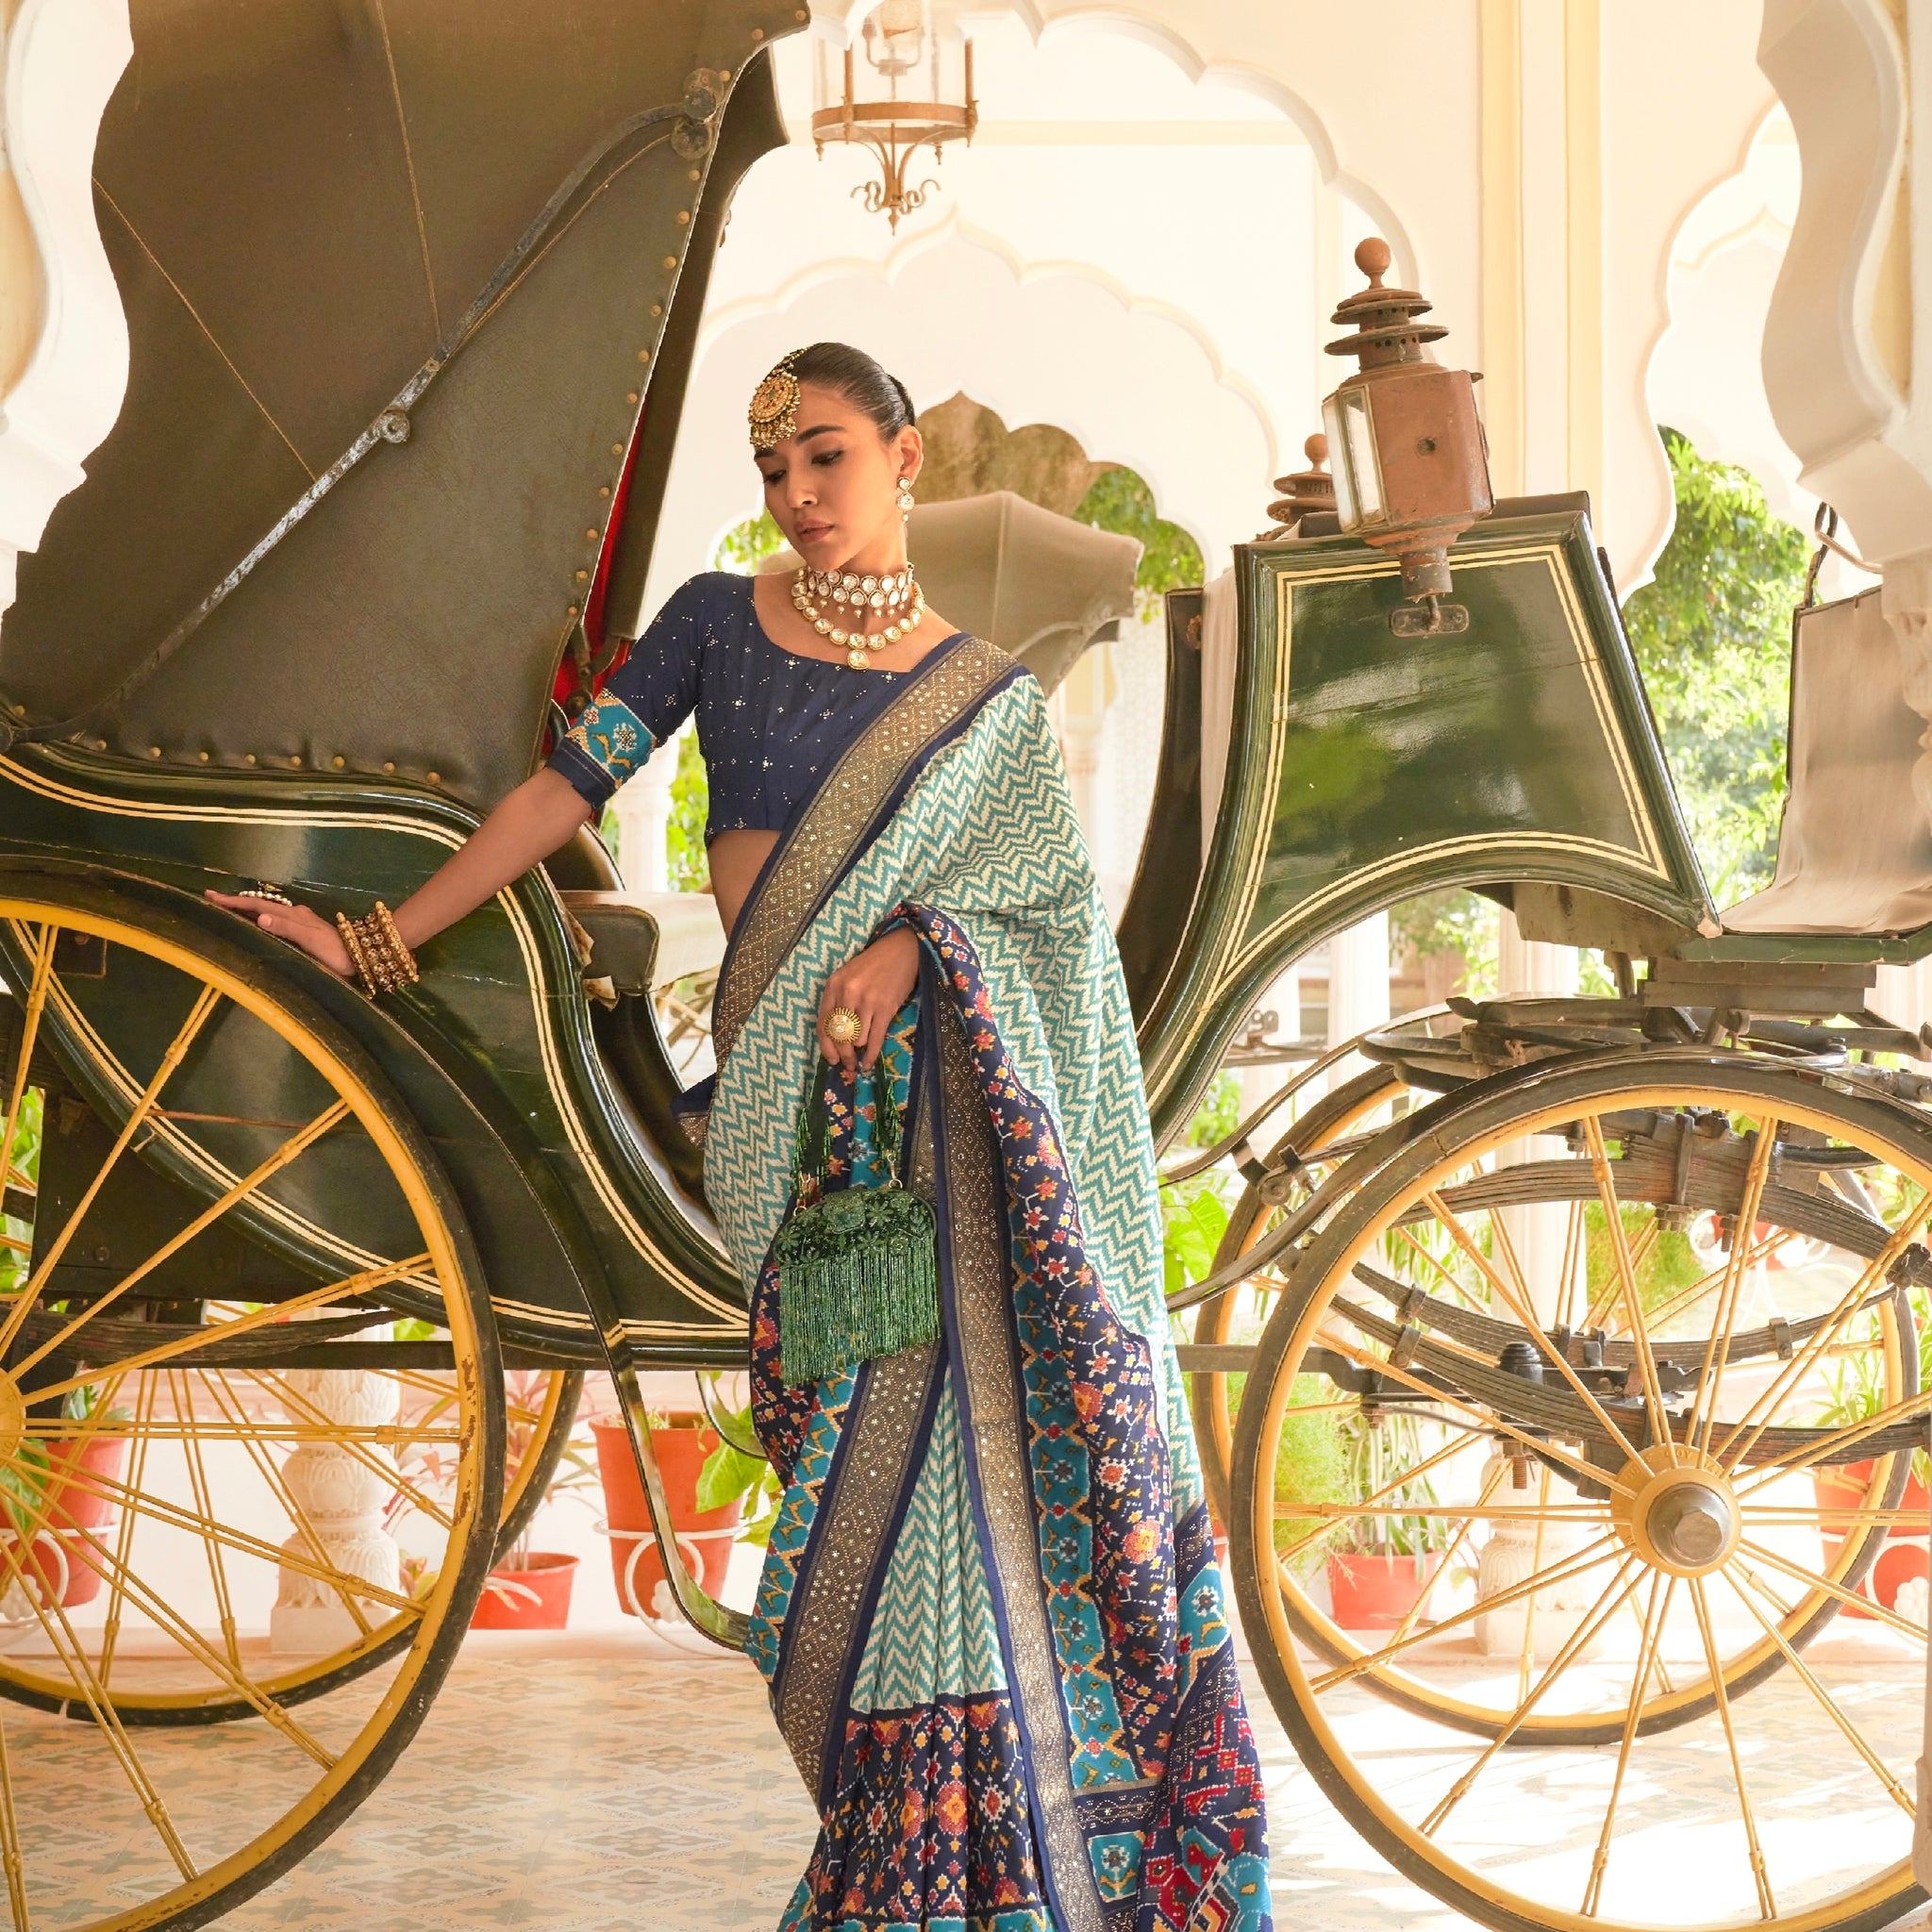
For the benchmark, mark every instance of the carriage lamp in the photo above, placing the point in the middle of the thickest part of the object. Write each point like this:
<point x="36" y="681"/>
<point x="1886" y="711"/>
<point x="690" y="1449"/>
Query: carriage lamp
<point x="1411" y="467"/>
<point x="900" y="39"/>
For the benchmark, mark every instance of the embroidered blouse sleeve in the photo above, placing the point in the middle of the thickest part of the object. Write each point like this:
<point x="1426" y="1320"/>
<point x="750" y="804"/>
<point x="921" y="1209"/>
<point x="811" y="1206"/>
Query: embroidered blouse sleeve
<point x="642" y="703"/>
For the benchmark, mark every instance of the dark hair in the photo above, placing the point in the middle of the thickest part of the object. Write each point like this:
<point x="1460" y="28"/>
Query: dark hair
<point x="859" y="379"/>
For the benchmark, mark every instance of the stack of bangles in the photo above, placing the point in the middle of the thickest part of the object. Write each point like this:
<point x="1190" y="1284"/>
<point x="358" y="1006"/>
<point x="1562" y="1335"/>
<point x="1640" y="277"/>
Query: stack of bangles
<point x="383" y="963"/>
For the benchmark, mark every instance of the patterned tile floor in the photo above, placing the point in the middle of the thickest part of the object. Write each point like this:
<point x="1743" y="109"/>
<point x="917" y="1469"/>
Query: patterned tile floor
<point x="594" y="1782"/>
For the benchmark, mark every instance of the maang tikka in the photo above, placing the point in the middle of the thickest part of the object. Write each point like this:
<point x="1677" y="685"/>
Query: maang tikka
<point x="773" y="412"/>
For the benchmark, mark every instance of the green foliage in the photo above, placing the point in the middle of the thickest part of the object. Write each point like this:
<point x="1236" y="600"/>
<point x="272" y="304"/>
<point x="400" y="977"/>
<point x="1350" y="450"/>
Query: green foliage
<point x="691" y="805"/>
<point x="1219" y="1112"/>
<point x="1456" y="920"/>
<point x="1193" y="1218"/>
<point x="1712" y="637"/>
<point x="1663" y="1266"/>
<point x="745" y="547"/>
<point x="27" y="1165"/>
<point x="1170" y="559"/>
<point x="729" y="1473"/>
<point x="1335" y="1458"/>
<point x="1313" y="1467"/>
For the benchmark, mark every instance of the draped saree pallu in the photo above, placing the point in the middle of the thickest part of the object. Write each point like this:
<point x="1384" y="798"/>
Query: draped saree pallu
<point x="990" y="1615"/>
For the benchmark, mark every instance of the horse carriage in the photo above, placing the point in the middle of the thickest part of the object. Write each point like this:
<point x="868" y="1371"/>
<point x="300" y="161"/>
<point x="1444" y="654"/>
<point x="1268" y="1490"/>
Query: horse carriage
<point x="1599" y="1318"/>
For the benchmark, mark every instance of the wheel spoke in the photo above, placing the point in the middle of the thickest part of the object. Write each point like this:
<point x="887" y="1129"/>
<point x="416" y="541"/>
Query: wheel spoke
<point x="1525" y="1660"/>
<point x="123" y="1535"/>
<point x="331" y="1432"/>
<point x="101" y="1561"/>
<point x="68" y="1648"/>
<point x="1767" y="1903"/>
<point x="287" y="1152"/>
<point x="1485" y="1419"/>
<point x="258" y="1453"/>
<point x="173" y="1516"/>
<point x="266" y="1316"/>
<point x="1590" y="1557"/>
<point x="10" y="1860"/>
<point x="1830" y="1705"/>
<point x="1868" y="1607"/>
<point x="1347" y="1511"/>
<point x="1599" y="1613"/>
<point x="1723" y="1320"/>
<point x="1520" y="1307"/>
<point x="1731" y="1452"/>
<point x="1626" y="1280"/>
<point x="1650" y="1641"/>
<point x="1453" y="1549"/>
<point x="40" y="978"/>
<point x="204" y="1503"/>
<point x="205" y="1004"/>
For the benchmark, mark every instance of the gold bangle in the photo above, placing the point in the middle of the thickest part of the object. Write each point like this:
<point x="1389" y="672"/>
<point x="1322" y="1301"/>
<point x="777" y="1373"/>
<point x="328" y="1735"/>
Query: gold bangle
<point x="400" y="955"/>
<point x="358" y="957"/>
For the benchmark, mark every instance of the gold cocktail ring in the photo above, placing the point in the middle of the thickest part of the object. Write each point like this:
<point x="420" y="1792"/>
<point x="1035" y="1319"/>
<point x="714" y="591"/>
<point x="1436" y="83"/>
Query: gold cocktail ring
<point x="844" y="1025"/>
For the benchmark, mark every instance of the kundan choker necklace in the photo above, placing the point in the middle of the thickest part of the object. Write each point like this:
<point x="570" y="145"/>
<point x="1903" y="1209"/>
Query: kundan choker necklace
<point x="854" y="595"/>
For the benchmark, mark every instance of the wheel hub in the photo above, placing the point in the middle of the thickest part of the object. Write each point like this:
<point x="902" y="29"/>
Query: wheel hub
<point x="1677" y="1510"/>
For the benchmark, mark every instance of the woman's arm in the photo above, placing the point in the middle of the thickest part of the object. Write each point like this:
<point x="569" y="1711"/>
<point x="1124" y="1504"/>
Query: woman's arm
<point x="524" y="830"/>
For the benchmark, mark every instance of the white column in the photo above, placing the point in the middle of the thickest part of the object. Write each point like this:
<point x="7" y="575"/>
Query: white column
<point x="643" y="819"/>
<point x="343" y="1499"/>
<point x="1358" y="979"/>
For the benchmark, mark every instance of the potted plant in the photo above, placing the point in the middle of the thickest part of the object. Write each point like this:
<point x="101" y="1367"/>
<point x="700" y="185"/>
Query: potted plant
<point x="682" y="1441"/>
<point x="63" y="1485"/>
<point x="531" y="1589"/>
<point x="1857" y="1392"/>
<point x="1381" y="1567"/>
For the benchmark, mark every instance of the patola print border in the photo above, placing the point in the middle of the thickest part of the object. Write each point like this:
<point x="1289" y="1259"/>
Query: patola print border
<point x="975" y="1269"/>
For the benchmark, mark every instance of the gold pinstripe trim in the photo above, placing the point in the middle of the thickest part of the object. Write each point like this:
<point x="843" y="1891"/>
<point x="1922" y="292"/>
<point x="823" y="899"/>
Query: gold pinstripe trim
<point x="601" y="1181"/>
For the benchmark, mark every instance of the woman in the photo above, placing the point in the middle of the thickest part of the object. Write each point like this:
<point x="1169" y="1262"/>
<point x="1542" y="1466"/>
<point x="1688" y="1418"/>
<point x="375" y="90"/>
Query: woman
<point x="990" y="1615"/>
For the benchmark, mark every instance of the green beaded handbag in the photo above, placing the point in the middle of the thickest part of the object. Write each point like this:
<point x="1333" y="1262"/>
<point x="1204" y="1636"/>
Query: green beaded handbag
<point x="858" y="1268"/>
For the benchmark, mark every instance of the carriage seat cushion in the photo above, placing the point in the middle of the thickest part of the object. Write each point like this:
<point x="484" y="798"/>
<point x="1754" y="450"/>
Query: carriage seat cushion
<point x="644" y="940"/>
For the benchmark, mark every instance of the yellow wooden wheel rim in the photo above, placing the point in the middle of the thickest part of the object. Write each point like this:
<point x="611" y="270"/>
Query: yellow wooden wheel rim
<point x="198" y="1835"/>
<point x="1321" y="1689"/>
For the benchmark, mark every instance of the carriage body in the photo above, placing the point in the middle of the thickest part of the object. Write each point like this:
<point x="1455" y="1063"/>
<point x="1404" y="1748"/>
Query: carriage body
<point x="248" y="651"/>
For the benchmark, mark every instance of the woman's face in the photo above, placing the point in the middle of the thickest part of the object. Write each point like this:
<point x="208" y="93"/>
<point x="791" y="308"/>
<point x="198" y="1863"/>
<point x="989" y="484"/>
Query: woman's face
<point x="833" y="487"/>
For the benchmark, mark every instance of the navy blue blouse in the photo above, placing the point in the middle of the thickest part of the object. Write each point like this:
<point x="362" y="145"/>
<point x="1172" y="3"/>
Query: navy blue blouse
<point x="770" y="723"/>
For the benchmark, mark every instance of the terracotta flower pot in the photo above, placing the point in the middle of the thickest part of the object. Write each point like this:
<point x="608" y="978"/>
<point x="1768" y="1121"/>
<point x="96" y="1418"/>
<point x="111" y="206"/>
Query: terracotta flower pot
<point x="681" y="1447"/>
<point x="1375" y="1591"/>
<point x="1842" y="1486"/>
<point x="74" y="1507"/>
<point x="535" y="1597"/>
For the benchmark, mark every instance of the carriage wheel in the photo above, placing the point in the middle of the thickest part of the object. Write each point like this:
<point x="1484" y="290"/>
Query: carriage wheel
<point x="1237" y="1314"/>
<point x="1566" y="1480"/>
<point x="539" y="1407"/>
<point x="152" y="1508"/>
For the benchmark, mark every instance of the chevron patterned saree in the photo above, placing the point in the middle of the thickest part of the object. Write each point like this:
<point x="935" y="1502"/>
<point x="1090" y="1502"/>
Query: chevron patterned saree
<point x="990" y="1615"/>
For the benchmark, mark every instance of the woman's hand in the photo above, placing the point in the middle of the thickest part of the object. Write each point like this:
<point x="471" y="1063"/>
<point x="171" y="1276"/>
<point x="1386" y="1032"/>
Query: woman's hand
<point x="874" y="985"/>
<point x="315" y="935"/>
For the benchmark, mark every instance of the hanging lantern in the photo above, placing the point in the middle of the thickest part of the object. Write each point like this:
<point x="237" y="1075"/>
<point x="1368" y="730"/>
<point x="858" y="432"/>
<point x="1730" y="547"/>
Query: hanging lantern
<point x="1411" y="467"/>
<point x="881" y="107"/>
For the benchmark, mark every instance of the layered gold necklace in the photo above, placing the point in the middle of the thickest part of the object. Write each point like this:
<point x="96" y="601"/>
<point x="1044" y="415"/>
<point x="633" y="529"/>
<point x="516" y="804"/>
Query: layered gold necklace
<point x="855" y="596"/>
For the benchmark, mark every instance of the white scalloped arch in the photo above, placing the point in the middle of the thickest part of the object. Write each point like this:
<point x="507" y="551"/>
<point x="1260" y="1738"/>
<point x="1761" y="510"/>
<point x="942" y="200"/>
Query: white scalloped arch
<point x="63" y="59"/>
<point x="1135" y="382"/>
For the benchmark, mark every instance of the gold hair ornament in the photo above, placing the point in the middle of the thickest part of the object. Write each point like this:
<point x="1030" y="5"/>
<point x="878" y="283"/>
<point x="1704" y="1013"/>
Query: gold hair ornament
<point x="773" y="412"/>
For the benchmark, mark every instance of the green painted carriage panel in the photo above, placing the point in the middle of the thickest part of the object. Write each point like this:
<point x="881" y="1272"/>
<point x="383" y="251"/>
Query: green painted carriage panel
<point x="499" y="1012"/>
<point x="1365" y="767"/>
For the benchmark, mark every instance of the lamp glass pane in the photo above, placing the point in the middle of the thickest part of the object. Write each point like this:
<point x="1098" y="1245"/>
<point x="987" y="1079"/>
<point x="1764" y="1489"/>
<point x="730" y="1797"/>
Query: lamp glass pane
<point x="1345" y="510"/>
<point x="1364" y="466"/>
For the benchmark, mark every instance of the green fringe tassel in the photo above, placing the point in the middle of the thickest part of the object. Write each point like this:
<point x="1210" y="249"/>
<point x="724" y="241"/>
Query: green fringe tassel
<point x="857" y="1277"/>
